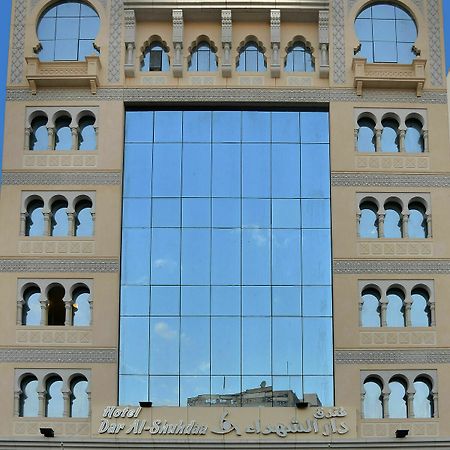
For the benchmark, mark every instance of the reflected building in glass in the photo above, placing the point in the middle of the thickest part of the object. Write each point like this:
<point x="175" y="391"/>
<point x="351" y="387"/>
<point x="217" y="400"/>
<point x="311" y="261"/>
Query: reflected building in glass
<point x="225" y="225"/>
<point x="226" y="256"/>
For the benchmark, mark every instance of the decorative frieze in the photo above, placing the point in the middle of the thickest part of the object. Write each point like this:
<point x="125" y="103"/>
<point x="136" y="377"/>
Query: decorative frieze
<point x="78" y="428"/>
<point x="53" y="160"/>
<point x="384" y="266"/>
<point x="59" y="265"/>
<point x="434" y="42"/>
<point x="61" y="178"/>
<point x="401" y="249"/>
<point x="115" y="40"/>
<point x="386" y="429"/>
<point x="338" y="36"/>
<point x="17" y="50"/>
<point x="383" y="162"/>
<point x="27" y="337"/>
<point x="57" y="355"/>
<point x="391" y="356"/>
<point x="400" y="338"/>
<point x="390" y="180"/>
<point x="61" y="247"/>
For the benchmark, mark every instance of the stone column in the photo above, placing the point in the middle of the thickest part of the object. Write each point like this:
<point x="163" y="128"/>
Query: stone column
<point x="17" y="395"/>
<point x="44" y="309"/>
<point x="23" y="223"/>
<point x="66" y="399"/>
<point x="42" y="397"/>
<point x="426" y="148"/>
<point x="385" y="401"/>
<point x="410" y="404"/>
<point x="177" y="38"/>
<point x="71" y="222"/>
<point x="227" y="30"/>
<point x="355" y="136"/>
<point x="432" y="314"/>
<point x="380" y="218"/>
<point x="435" y="404"/>
<point x="51" y="138"/>
<point x="68" y="309"/>
<point x="47" y="223"/>
<point x="378" y="132"/>
<point x="324" y="43"/>
<point x="275" y="38"/>
<point x="74" y="131"/>
<point x="19" y="311"/>
<point x="407" y="309"/>
<point x="402" y="135"/>
<point x="130" y="41"/>
<point x="429" y="229"/>
<point x="405" y="220"/>
<point x="27" y="139"/>
<point x="358" y="220"/>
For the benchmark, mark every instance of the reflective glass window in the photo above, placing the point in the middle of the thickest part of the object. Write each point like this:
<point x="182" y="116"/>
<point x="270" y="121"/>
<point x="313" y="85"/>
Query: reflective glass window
<point x="226" y="257"/>
<point x="155" y="58"/>
<point x="386" y="33"/>
<point x="251" y="59"/>
<point x="67" y="31"/>
<point x="299" y="58"/>
<point x="203" y="58"/>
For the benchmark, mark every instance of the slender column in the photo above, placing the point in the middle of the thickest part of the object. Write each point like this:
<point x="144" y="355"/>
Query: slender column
<point x="385" y="400"/>
<point x="435" y="404"/>
<point x="410" y="404"/>
<point x="130" y="52"/>
<point x="432" y="314"/>
<point x="426" y="148"/>
<point x="130" y="41"/>
<point x="407" y="308"/>
<point x="68" y="307"/>
<point x="429" y="229"/>
<point x="66" y="400"/>
<point x="324" y="41"/>
<point x="227" y="30"/>
<point x="44" y="310"/>
<point x="17" y="395"/>
<point x="383" y="309"/>
<point x="91" y="308"/>
<point x="363" y="395"/>
<point x="23" y="223"/>
<point x="358" y="220"/>
<point x="74" y="131"/>
<point x="27" y="138"/>
<point x="405" y="220"/>
<point x="275" y="38"/>
<point x="355" y="136"/>
<point x="47" y="223"/>
<point x="42" y="396"/>
<point x="361" y="304"/>
<point x="19" y="310"/>
<point x="51" y="138"/>
<point x="177" y="38"/>
<point x="381" y="217"/>
<point x="378" y="140"/>
<point x="402" y="135"/>
<point x="71" y="222"/>
<point x="93" y="222"/>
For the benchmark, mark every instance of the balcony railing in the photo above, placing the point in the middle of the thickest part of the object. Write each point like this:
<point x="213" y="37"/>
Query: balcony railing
<point x="389" y="75"/>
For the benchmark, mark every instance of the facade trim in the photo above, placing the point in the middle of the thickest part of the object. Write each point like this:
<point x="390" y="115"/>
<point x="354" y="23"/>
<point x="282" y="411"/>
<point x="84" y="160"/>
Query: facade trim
<point x="115" y="40"/>
<point x="228" y="95"/>
<point x="59" y="265"/>
<point x="391" y="266"/>
<point x="61" y="178"/>
<point x="434" y="44"/>
<point x="338" y="36"/>
<point x="391" y="180"/>
<point x="17" y="59"/>
<point x="57" y="355"/>
<point x="398" y="356"/>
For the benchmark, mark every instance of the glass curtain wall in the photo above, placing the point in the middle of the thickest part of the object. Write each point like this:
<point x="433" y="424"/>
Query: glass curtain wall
<point x="226" y="258"/>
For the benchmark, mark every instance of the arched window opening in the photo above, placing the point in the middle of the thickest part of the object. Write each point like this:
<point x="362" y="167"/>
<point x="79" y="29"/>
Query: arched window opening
<point x="28" y="398"/>
<point x="59" y="222"/>
<point x="398" y="408"/>
<point x="81" y="307"/>
<point x="84" y="223"/>
<point x="395" y="308"/>
<point x="87" y="137"/>
<point x="56" y="308"/>
<point x="299" y="58"/>
<point x="417" y="223"/>
<point x="389" y="136"/>
<point x="54" y="402"/>
<point x="414" y="142"/>
<point x="373" y="399"/>
<point x="423" y="399"/>
<point x="34" y="223"/>
<point x="251" y="58"/>
<point x="39" y="134"/>
<point x="420" y="308"/>
<point x="63" y="136"/>
<point x="386" y="33"/>
<point x="368" y="222"/>
<point x="67" y="30"/>
<point x="392" y="221"/>
<point x="370" y="312"/>
<point x="155" y="58"/>
<point x="203" y="58"/>
<point x="366" y="135"/>
<point x="79" y="397"/>
<point x="31" y="308"/>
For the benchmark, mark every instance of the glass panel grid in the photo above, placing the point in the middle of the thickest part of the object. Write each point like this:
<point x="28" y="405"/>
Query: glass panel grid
<point x="226" y="258"/>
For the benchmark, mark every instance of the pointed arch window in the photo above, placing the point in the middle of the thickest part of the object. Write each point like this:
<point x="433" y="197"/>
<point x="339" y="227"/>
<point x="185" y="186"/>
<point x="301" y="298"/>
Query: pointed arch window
<point x="155" y="58"/>
<point x="79" y="397"/>
<point x="373" y="404"/>
<point x="299" y="58"/>
<point x="28" y="397"/>
<point x="54" y="402"/>
<point x="251" y="58"/>
<point x="203" y="58"/>
<point x="39" y="134"/>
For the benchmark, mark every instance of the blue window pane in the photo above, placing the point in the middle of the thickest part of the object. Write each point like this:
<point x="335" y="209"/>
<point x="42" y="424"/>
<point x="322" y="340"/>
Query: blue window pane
<point x="314" y="128"/>
<point x="164" y="390"/>
<point x="226" y="172"/>
<point x="66" y="50"/>
<point x="226" y="257"/>
<point x="318" y="354"/>
<point x="255" y="126"/>
<point x="165" y="301"/>
<point x="193" y="389"/>
<point x="256" y="301"/>
<point x="226" y="212"/>
<point x="316" y="256"/>
<point x="256" y="333"/>
<point x="286" y="257"/>
<point x="136" y="212"/>
<point x="226" y="126"/>
<point x="197" y="126"/>
<point x="405" y="53"/>
<point x="133" y="388"/>
<point x="383" y="11"/>
<point x="225" y="300"/>
<point x="168" y="126"/>
<point x="67" y="28"/>
<point x="85" y="48"/>
<point x="256" y="257"/>
<point x="136" y="260"/>
<point x="47" y="28"/>
<point x="385" y="52"/>
<point x="196" y="170"/>
<point x="321" y="386"/>
<point x="166" y="212"/>
<point x="134" y="333"/>
<point x="285" y="213"/>
<point x="363" y="28"/>
<point x="165" y="256"/>
<point x="406" y="31"/>
<point x="255" y="213"/>
<point x="195" y="256"/>
<point x="286" y="170"/>
<point x="285" y="127"/>
<point x="164" y="345"/>
<point x="166" y="170"/>
<point x="225" y="345"/>
<point x="315" y="182"/>
<point x="196" y="212"/>
<point x="287" y="346"/>
<point x="383" y="30"/>
<point x="366" y="51"/>
<point x="68" y="9"/>
<point x="195" y="301"/>
<point x="315" y="213"/>
<point x="194" y="346"/>
<point x="256" y="170"/>
<point x="139" y="126"/>
<point x="135" y="300"/>
<point x="137" y="170"/>
<point x="89" y="27"/>
<point x="317" y="300"/>
<point x="48" y="51"/>
<point x="287" y="301"/>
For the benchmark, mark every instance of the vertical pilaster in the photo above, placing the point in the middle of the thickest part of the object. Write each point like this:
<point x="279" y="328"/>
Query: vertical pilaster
<point x="130" y="42"/>
<point x="177" y="38"/>
<point x="227" y="31"/>
<point x="275" y="38"/>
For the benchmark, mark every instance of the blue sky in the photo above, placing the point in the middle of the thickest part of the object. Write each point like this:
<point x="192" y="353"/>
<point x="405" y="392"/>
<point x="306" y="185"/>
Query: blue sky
<point x="5" y="11"/>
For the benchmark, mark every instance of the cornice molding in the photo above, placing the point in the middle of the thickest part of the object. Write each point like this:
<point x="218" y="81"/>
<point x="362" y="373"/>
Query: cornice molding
<point x="398" y="356"/>
<point x="229" y="95"/>
<point x="384" y="266"/>
<point x="390" y="180"/>
<point x="57" y="355"/>
<point x="60" y="265"/>
<point x="61" y="178"/>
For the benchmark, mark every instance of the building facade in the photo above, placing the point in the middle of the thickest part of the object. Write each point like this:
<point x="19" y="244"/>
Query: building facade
<point x="224" y="225"/>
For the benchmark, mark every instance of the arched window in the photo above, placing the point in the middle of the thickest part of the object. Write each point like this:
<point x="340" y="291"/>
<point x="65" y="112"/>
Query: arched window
<point x="423" y="399"/>
<point x="420" y="308"/>
<point x="155" y="58"/>
<point x="414" y="138"/>
<point x="31" y="308"/>
<point x="84" y="224"/>
<point x="81" y="308"/>
<point x="56" y="311"/>
<point x="389" y="136"/>
<point x="370" y="312"/>
<point x="79" y="398"/>
<point x="397" y="399"/>
<point x="34" y="223"/>
<point x="203" y="58"/>
<point x="54" y="402"/>
<point x="67" y="30"/>
<point x="39" y="134"/>
<point x="366" y="135"/>
<point x="373" y="403"/>
<point x="392" y="220"/>
<point x="63" y="136"/>
<point x="28" y="398"/>
<point x="251" y="58"/>
<point x="417" y="222"/>
<point x="299" y="58"/>
<point x="59" y="222"/>
<point x="395" y="308"/>
<point x="368" y="222"/>
<point x="87" y="137"/>
<point x="387" y="34"/>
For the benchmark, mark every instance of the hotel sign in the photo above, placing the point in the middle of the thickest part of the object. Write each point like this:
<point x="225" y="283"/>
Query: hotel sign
<point x="216" y="422"/>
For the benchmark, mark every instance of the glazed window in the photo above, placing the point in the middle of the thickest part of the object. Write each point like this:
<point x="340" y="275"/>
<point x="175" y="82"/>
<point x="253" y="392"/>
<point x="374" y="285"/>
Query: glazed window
<point x="59" y="222"/>
<point x="155" y="58"/>
<point x="423" y="398"/>
<point x="389" y="136"/>
<point x="63" y="137"/>
<point x="386" y="33"/>
<point x="67" y="31"/>
<point x="368" y="222"/>
<point x="203" y="58"/>
<point x="299" y="58"/>
<point x="414" y="142"/>
<point x="395" y="308"/>
<point x="251" y="58"/>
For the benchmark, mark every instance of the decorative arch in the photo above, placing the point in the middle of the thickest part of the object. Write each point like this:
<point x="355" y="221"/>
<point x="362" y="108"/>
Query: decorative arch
<point x="145" y="57"/>
<point x="308" y="50"/>
<point x="202" y="44"/>
<point x="261" y="65"/>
